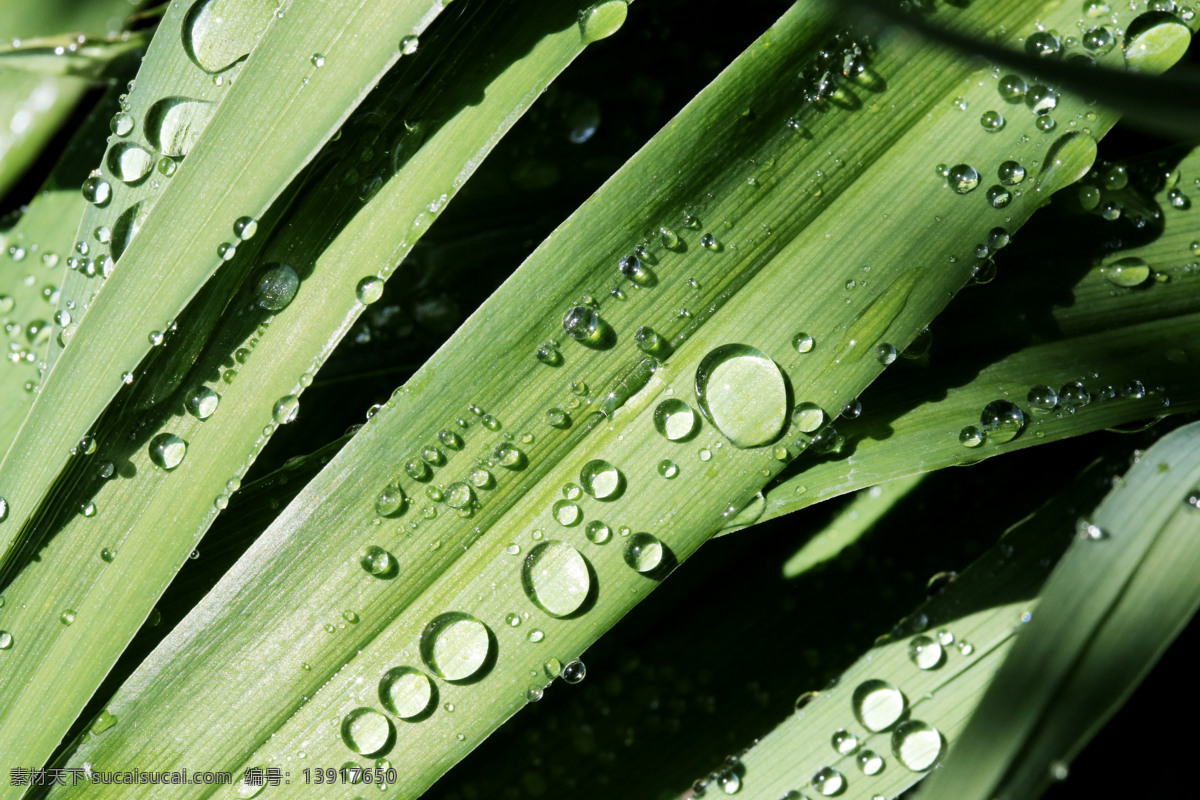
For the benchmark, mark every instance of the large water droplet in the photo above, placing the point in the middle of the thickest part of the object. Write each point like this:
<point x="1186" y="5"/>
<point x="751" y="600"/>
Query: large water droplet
<point x="173" y="124"/>
<point x="581" y="323"/>
<point x="742" y="392"/>
<point x="962" y="178"/>
<point x="219" y="33"/>
<point x="1042" y="398"/>
<point x="369" y="290"/>
<point x="602" y="480"/>
<point x="602" y="20"/>
<point x="844" y="742"/>
<point x="1155" y="41"/>
<point x="917" y="745"/>
<point x="926" y="653"/>
<point x="285" y="409"/>
<point x="644" y="552"/>
<point x="556" y="578"/>
<point x="808" y="417"/>
<point x="367" y="732"/>
<point x="276" y="287"/>
<point x="6" y="640"/>
<point x="126" y="227"/>
<point x="877" y="704"/>
<point x="1069" y="159"/>
<point x="1126" y="272"/>
<point x="456" y="646"/>
<point x="130" y="162"/>
<point x="167" y="450"/>
<point x="1002" y="421"/>
<point x="407" y="692"/>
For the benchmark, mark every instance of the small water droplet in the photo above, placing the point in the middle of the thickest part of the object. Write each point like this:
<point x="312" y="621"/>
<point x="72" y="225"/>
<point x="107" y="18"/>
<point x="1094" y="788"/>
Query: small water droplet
<point x="174" y="124"/>
<point x="803" y="342"/>
<point x="369" y="290"/>
<point x="285" y="409"/>
<point x="378" y="562"/>
<point x="926" y="653"/>
<point x="96" y="190"/>
<point x="992" y="121"/>
<point x="574" y="672"/>
<point x="667" y="468"/>
<point x="1041" y="99"/>
<point x="409" y="45"/>
<point x="1012" y="88"/>
<point x="391" y="501"/>
<point x="644" y="552"/>
<point x="597" y="532"/>
<point x="567" y="513"/>
<point x="844" y="742"/>
<point x="6" y="640"/>
<point x="962" y="178"/>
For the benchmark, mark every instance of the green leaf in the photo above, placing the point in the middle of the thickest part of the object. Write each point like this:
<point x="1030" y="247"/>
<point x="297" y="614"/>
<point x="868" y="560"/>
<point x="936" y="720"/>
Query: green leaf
<point x="353" y="583"/>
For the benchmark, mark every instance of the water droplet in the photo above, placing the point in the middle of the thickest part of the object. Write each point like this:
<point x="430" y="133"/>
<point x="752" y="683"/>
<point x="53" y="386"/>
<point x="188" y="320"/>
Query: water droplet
<point x="885" y="353"/>
<point x="378" y="562"/>
<point x="998" y="197"/>
<point x="926" y="653"/>
<point x="674" y="419"/>
<point x="962" y="178"/>
<point x="245" y="227"/>
<point x="602" y="480"/>
<point x="574" y="672"/>
<point x="96" y="190"/>
<point x="844" y="742"/>
<point x="1074" y="395"/>
<point x="598" y="533"/>
<point x="803" y="342"/>
<point x="877" y="704"/>
<point x="917" y="745"/>
<point x="276" y="287"/>
<point x="391" y="501"/>
<point x="130" y="162"/>
<point x="808" y="417"/>
<point x="632" y="268"/>
<point x="567" y="513"/>
<point x="67" y="616"/>
<point x="174" y="124"/>
<point x="602" y="20"/>
<point x="829" y="782"/>
<point x="970" y="436"/>
<point x="6" y="640"/>
<point x="1012" y="88"/>
<point x="556" y="578"/>
<point x="1041" y="99"/>
<point x="508" y="456"/>
<point x="1043" y="44"/>
<point x="582" y="324"/>
<point x="317" y="60"/>
<point x="459" y="495"/>
<point x="367" y="732"/>
<point x="1011" y="173"/>
<point x="167" y="450"/>
<point x="1126" y="272"/>
<point x="992" y="121"/>
<point x="456" y="646"/>
<point x="1042" y="398"/>
<point x="743" y="393"/>
<point x="121" y="123"/>
<point x="407" y="692"/>
<point x="285" y="409"/>
<point x="557" y="418"/>
<point x="1098" y="40"/>
<point x="369" y="290"/>
<point x="1002" y="421"/>
<point x="870" y="762"/>
<point x="1155" y="41"/>
<point x="1086" y="529"/>
<point x="667" y="468"/>
<point x="409" y="45"/>
<point x="644" y="552"/>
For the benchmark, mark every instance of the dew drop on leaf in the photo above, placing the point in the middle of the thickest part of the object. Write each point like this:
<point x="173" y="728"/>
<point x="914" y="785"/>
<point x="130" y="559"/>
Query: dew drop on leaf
<point x="456" y="646"/>
<point x="556" y="577"/>
<point x="407" y="692"/>
<point x="743" y="393"/>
